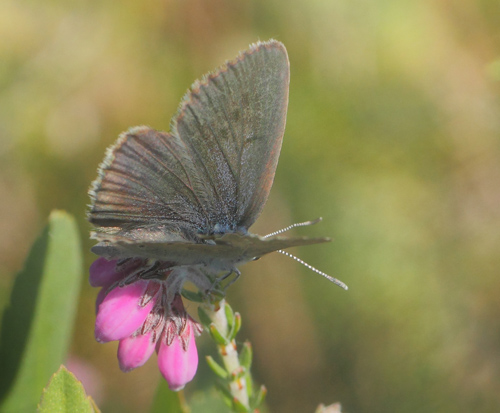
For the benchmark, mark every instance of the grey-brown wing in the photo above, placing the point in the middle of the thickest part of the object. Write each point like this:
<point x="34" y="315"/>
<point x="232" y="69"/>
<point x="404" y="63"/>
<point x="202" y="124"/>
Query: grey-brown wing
<point x="213" y="172"/>
<point x="146" y="183"/>
<point x="228" y="249"/>
<point x="232" y="123"/>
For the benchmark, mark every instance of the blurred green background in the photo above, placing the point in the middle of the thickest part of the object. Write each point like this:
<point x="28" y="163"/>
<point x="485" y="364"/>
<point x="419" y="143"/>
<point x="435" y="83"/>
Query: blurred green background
<point x="392" y="137"/>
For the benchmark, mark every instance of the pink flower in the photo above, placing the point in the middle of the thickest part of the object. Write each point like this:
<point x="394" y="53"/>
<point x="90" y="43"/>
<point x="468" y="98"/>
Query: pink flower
<point x="178" y="360"/>
<point x="140" y="305"/>
<point x="102" y="272"/>
<point x="123" y="311"/>
<point x="134" y="351"/>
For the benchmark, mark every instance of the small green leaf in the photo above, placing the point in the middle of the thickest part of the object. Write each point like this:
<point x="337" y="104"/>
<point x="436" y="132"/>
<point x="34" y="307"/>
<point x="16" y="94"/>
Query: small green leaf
<point x="217" y="336"/>
<point x="167" y="400"/>
<point x="216" y="367"/>
<point x="259" y="397"/>
<point x="194" y="296"/>
<point x="236" y="326"/>
<point x="37" y="325"/>
<point x="246" y="355"/>
<point x="65" y="394"/>
<point x="229" y="317"/>
<point x="249" y="383"/>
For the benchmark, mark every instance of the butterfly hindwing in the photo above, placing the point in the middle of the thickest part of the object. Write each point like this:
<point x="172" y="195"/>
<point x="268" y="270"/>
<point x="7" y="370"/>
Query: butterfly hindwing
<point x="229" y="249"/>
<point x="145" y="182"/>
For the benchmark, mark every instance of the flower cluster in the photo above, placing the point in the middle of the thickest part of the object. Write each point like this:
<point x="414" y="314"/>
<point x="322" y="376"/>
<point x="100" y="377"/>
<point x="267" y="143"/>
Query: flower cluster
<point x="140" y="305"/>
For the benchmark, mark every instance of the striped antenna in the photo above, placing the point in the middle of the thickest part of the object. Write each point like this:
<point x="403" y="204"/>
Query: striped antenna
<point x="305" y="224"/>
<point x="299" y="224"/>
<point x="328" y="277"/>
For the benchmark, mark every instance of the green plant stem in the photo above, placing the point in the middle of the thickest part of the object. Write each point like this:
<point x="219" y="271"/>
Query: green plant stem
<point x="229" y="353"/>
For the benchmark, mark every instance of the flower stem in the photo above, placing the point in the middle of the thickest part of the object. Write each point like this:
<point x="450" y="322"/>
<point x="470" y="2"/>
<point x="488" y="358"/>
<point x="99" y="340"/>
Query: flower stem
<point x="224" y="325"/>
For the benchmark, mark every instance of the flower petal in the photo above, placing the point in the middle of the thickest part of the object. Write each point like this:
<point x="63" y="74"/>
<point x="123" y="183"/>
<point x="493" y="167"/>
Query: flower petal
<point x="119" y="314"/>
<point x="178" y="366"/>
<point x="135" y="351"/>
<point x="102" y="272"/>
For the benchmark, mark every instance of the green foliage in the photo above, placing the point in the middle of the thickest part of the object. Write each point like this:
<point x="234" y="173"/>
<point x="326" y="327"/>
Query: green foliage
<point x="65" y="394"/>
<point x="246" y="355"/>
<point x="216" y="368"/>
<point x="259" y="396"/>
<point x="37" y="326"/>
<point x="195" y="297"/>
<point x="218" y="337"/>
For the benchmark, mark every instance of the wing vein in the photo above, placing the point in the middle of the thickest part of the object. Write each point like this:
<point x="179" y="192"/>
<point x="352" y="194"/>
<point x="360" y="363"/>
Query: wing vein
<point x="216" y="138"/>
<point x="128" y="177"/>
<point x="164" y="165"/>
<point x="212" y="183"/>
<point x="174" y="154"/>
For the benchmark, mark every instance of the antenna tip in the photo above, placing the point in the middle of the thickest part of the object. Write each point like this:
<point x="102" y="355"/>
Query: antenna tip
<point x="339" y="283"/>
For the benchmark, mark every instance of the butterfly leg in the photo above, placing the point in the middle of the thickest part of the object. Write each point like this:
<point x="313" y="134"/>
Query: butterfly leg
<point x="151" y="271"/>
<point x="238" y="273"/>
<point x="223" y="277"/>
<point x="143" y="272"/>
<point x="130" y="278"/>
<point x="218" y="280"/>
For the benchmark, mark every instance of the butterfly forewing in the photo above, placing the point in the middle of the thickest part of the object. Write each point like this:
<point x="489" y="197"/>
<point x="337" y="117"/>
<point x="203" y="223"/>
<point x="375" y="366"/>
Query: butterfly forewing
<point x="214" y="171"/>
<point x="232" y="123"/>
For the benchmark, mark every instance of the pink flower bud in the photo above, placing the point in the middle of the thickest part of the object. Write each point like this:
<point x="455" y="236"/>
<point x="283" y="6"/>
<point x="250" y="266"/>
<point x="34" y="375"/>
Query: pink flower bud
<point x="178" y="363"/>
<point x="135" y="351"/>
<point x="102" y="272"/>
<point x="120" y="313"/>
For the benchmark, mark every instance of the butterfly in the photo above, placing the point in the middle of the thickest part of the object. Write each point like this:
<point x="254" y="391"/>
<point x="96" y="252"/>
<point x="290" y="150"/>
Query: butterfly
<point x="190" y="195"/>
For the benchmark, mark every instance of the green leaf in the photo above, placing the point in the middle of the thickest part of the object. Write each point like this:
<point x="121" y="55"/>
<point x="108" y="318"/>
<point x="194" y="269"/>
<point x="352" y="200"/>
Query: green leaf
<point x="216" y="368"/>
<point x="37" y="326"/>
<point x="259" y="397"/>
<point x="249" y="383"/>
<point x="229" y="317"/>
<point x="194" y="296"/>
<point x="65" y="393"/>
<point x="246" y="355"/>
<point x="167" y="400"/>
<point x="217" y="336"/>
<point x="236" y="326"/>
